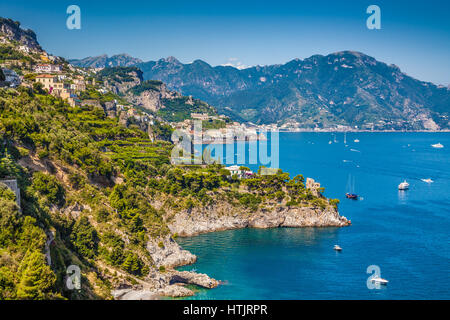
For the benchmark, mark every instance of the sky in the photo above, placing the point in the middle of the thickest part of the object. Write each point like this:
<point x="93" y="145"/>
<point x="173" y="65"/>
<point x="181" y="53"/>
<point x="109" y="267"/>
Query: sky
<point x="414" y="35"/>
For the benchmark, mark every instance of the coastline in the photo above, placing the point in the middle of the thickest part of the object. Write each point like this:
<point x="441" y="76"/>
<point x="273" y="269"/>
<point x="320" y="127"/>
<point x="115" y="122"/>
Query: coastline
<point x="168" y="254"/>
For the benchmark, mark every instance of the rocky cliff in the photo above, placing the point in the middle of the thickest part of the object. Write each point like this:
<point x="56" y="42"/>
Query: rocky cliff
<point x="12" y="31"/>
<point x="225" y="217"/>
<point x="151" y="94"/>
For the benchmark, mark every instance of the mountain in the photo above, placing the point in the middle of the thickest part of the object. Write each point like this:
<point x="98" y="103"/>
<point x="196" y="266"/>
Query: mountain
<point x="11" y="31"/>
<point x="151" y="95"/>
<point x="103" y="61"/>
<point x="344" y="88"/>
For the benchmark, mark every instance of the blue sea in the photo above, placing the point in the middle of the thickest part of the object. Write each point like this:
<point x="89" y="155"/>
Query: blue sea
<point x="406" y="234"/>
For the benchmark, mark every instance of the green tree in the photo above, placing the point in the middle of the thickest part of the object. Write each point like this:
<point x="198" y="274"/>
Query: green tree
<point x="84" y="238"/>
<point x="133" y="264"/>
<point x="48" y="186"/>
<point x="36" y="278"/>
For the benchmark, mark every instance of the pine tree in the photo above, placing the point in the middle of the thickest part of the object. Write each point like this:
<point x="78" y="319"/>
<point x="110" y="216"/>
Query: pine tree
<point x="36" y="277"/>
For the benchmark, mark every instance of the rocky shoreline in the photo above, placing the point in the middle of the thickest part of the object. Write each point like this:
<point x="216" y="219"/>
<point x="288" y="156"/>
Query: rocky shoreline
<point x="207" y="219"/>
<point x="168" y="254"/>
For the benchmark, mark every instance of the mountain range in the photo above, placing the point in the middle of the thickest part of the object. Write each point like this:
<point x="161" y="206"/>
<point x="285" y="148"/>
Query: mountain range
<point x="345" y="88"/>
<point x="103" y="61"/>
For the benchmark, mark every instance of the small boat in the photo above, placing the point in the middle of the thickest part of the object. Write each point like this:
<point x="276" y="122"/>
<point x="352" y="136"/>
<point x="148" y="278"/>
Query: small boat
<point x="437" y="146"/>
<point x="330" y="142"/>
<point x="351" y="196"/>
<point x="427" y="180"/>
<point x="337" y="248"/>
<point x="380" y="281"/>
<point x="403" y="186"/>
<point x="356" y="141"/>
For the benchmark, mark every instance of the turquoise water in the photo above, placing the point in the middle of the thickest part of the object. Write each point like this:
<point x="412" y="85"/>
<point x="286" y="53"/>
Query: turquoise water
<point x="406" y="234"/>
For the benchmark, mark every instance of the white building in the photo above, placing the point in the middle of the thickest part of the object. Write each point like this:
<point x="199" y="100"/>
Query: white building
<point x="47" y="68"/>
<point x="12" y="77"/>
<point x="236" y="170"/>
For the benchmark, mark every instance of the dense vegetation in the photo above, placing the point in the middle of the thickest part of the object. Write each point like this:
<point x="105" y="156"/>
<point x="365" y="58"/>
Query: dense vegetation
<point x="95" y="190"/>
<point x="92" y="185"/>
<point x="119" y="74"/>
<point x="146" y="85"/>
<point x="179" y="109"/>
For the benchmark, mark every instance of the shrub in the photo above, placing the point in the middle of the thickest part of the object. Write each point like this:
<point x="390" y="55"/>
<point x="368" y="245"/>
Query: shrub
<point x="133" y="264"/>
<point x="48" y="186"/>
<point x="84" y="238"/>
<point x="102" y="215"/>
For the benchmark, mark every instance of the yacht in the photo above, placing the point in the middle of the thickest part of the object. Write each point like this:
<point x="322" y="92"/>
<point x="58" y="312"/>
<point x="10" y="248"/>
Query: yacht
<point x="380" y="281"/>
<point x="337" y="248"/>
<point x="351" y="196"/>
<point x="427" y="180"/>
<point x="437" y="145"/>
<point x="403" y="186"/>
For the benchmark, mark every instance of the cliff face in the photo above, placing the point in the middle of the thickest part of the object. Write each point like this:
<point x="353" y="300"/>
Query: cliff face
<point x="12" y="31"/>
<point x="225" y="217"/>
<point x="120" y="79"/>
<point x="152" y="98"/>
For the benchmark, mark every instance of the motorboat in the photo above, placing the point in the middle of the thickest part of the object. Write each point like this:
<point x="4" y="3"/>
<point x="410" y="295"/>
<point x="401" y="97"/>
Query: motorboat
<point x="437" y="146"/>
<point x="427" y="180"/>
<point x="380" y="281"/>
<point x="356" y="141"/>
<point x="403" y="186"/>
<point x="351" y="196"/>
<point x="337" y="248"/>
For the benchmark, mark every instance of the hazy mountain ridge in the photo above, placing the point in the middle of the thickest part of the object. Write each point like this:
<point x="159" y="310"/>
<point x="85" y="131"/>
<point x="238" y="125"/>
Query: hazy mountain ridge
<point x="103" y="61"/>
<point x="347" y="88"/>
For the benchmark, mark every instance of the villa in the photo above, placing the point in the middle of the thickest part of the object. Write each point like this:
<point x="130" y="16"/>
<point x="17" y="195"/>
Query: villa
<point x="241" y="174"/>
<point x="47" y="68"/>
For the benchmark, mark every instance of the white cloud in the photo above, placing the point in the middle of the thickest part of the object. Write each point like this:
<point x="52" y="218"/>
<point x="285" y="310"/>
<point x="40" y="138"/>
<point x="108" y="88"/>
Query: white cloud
<point x="234" y="62"/>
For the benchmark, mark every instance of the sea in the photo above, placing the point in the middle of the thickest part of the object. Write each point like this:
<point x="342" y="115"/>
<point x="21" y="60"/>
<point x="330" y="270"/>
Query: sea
<point x="400" y="236"/>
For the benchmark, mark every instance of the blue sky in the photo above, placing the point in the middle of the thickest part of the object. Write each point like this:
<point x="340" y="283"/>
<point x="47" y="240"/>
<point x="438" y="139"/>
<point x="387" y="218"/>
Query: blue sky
<point x="415" y="34"/>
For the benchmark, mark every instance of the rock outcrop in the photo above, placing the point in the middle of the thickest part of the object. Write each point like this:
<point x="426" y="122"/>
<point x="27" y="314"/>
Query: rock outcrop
<point x="169" y="284"/>
<point x="203" y="220"/>
<point x="152" y="98"/>
<point x="12" y="31"/>
<point x="166" y="252"/>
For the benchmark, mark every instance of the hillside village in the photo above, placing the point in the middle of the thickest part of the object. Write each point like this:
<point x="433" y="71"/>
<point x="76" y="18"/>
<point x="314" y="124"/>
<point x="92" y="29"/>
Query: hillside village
<point x="34" y="68"/>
